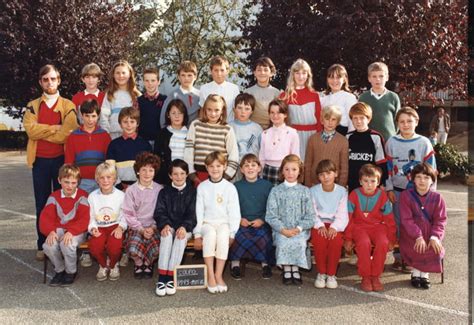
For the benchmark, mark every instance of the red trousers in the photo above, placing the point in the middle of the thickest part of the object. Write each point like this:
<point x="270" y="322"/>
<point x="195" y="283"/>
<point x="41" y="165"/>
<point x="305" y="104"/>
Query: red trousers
<point x="364" y="237"/>
<point x="326" y="252"/>
<point x="106" y="245"/>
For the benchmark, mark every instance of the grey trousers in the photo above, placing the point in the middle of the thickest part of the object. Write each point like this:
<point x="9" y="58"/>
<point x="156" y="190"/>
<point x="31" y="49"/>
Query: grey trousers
<point x="171" y="252"/>
<point x="64" y="258"/>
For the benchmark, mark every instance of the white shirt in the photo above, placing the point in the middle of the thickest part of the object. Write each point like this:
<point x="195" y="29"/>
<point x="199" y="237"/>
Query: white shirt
<point x="344" y="101"/>
<point x="226" y="89"/>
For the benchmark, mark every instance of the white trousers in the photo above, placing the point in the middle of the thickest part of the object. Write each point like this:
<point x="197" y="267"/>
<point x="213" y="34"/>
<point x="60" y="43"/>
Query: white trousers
<point x="215" y="240"/>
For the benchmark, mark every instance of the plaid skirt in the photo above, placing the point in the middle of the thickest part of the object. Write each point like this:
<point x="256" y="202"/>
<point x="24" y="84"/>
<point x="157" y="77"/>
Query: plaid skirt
<point x="145" y="249"/>
<point x="254" y="244"/>
<point x="270" y="173"/>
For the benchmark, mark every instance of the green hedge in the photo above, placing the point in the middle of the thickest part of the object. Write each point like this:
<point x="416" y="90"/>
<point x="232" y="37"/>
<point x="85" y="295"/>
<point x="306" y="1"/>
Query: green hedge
<point x="13" y="139"/>
<point x="450" y="160"/>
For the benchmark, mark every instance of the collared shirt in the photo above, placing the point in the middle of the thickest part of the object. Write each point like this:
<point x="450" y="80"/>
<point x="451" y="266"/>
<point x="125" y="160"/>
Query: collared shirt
<point x="73" y="196"/>
<point x="327" y="136"/>
<point x="131" y="136"/>
<point x="95" y="93"/>
<point x="378" y="96"/>
<point x="151" y="97"/>
<point x="142" y="187"/>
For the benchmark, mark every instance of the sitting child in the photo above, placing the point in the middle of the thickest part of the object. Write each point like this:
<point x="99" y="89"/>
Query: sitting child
<point x="107" y="224"/>
<point x="371" y="223"/>
<point x="330" y="202"/>
<point x="138" y="207"/>
<point x="254" y="239"/>
<point x="290" y="213"/>
<point x="175" y="216"/>
<point x="64" y="221"/>
<point x="218" y="218"/>
<point x="422" y="226"/>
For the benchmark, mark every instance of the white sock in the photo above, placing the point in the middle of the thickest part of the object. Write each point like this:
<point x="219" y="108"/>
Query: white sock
<point x="264" y="264"/>
<point x="424" y="275"/>
<point x="294" y="268"/>
<point x="415" y="273"/>
<point x="234" y="263"/>
<point x="287" y="271"/>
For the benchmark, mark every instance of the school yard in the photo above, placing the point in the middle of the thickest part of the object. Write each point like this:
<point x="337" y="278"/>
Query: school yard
<point x="25" y="299"/>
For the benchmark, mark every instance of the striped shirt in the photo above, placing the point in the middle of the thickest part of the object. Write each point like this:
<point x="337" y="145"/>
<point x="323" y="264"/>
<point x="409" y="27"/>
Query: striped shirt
<point x="177" y="142"/>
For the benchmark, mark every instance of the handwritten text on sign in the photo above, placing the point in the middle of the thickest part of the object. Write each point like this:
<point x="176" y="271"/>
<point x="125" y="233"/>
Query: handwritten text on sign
<point x="190" y="276"/>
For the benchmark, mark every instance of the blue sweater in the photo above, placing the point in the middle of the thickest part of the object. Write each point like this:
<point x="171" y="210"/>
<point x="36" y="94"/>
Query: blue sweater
<point x="150" y="111"/>
<point x="253" y="198"/>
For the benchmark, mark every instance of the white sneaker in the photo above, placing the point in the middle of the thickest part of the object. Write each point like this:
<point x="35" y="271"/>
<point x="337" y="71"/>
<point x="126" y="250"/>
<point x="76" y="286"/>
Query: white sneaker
<point x="320" y="281"/>
<point x="170" y="289"/>
<point x="331" y="282"/>
<point x="124" y="260"/>
<point x="160" y="289"/>
<point x="101" y="274"/>
<point x="114" y="273"/>
<point x="86" y="260"/>
<point x="353" y="259"/>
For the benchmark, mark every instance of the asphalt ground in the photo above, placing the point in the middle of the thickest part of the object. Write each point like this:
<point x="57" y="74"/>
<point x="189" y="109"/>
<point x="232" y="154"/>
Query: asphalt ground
<point x="25" y="299"/>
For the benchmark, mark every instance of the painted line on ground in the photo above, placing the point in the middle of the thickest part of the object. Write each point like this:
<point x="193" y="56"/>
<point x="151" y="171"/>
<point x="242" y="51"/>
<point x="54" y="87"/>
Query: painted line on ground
<point x="71" y="291"/>
<point x="30" y="216"/>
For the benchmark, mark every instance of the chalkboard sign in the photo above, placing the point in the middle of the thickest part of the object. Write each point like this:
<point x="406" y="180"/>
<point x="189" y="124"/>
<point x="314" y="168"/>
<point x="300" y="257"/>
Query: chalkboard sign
<point x="190" y="277"/>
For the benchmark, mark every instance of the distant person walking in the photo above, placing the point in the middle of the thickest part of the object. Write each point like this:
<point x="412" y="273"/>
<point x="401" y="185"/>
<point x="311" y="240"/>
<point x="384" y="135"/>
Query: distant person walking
<point x="441" y="124"/>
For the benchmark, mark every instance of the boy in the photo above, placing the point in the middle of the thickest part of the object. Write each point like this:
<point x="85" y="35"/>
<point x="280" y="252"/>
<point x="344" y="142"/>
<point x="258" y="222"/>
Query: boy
<point x="263" y="92"/>
<point x="219" y="85"/>
<point x="247" y="132"/>
<point x="151" y="105"/>
<point x="90" y="76"/>
<point x="87" y="146"/>
<point x="186" y="92"/>
<point x="123" y="150"/>
<point x="384" y="103"/>
<point x="370" y="224"/>
<point x="64" y="221"/>
<point x="366" y="146"/>
<point x="254" y="238"/>
<point x="327" y="144"/>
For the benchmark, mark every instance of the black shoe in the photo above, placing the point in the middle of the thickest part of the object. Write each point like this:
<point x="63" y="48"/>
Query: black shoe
<point x="57" y="280"/>
<point x="68" y="279"/>
<point x="298" y="280"/>
<point x="267" y="272"/>
<point x="416" y="282"/>
<point x="286" y="280"/>
<point x="138" y="272"/>
<point x="147" y="271"/>
<point x="235" y="272"/>
<point x="425" y="283"/>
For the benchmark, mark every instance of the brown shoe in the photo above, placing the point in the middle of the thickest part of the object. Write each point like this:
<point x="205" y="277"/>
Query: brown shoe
<point x="376" y="284"/>
<point x="366" y="284"/>
<point x="39" y="256"/>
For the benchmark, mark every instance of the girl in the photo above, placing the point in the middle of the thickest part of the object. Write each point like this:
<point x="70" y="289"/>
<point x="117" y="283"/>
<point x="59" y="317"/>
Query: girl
<point x="303" y="102"/>
<point x="175" y="216"/>
<point x="218" y="219"/>
<point x="138" y="207"/>
<point x="170" y="142"/>
<point x="291" y="215"/>
<point x="210" y="133"/>
<point x="423" y="222"/>
<point x="338" y="94"/>
<point x="330" y="203"/>
<point x="277" y="141"/>
<point x="121" y="92"/>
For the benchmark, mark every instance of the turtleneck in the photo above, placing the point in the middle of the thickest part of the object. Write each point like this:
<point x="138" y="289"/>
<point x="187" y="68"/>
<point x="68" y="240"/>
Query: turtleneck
<point x="49" y="100"/>
<point x="290" y="184"/>
<point x="179" y="188"/>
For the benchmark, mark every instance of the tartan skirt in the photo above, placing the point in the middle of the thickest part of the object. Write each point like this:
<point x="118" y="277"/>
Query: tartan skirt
<point x="145" y="249"/>
<point x="254" y="244"/>
<point x="270" y="173"/>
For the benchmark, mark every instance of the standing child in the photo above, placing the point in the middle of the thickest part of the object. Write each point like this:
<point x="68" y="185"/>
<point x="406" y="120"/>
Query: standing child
<point x="143" y="240"/>
<point x="366" y="146"/>
<point x="123" y="150"/>
<point x="121" y="92"/>
<point x="277" y="142"/>
<point x="247" y="132"/>
<point x="254" y="239"/>
<point x="404" y="152"/>
<point x="219" y="71"/>
<point x="175" y="217"/>
<point x="330" y="203"/>
<point x="64" y="222"/>
<point x="150" y="105"/>
<point x="107" y="223"/>
<point x="327" y="144"/>
<point x="211" y="133"/>
<point x="371" y="229"/>
<point x="290" y="213"/>
<point x="440" y="124"/>
<point x="186" y="92"/>
<point x="171" y="140"/>
<point x="264" y="93"/>
<point x="338" y="94"/>
<point x="90" y="76"/>
<point x="422" y="224"/>
<point x="218" y="218"/>
<point x="87" y="146"/>
<point x="303" y="103"/>
<point x="384" y="103"/>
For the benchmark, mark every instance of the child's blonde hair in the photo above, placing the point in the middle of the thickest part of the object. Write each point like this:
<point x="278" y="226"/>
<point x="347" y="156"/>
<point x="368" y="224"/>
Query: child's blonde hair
<point x="105" y="168"/>
<point x="291" y="158"/>
<point x="330" y="111"/>
<point x="215" y="99"/>
<point x="91" y="69"/>
<point x="187" y="66"/>
<point x="370" y="170"/>
<point x="298" y="65"/>
<point x="112" y="87"/>
<point x="215" y="155"/>
<point x="339" y="71"/>
<point x="377" y="66"/>
<point x="407" y="110"/>
<point x="361" y="108"/>
<point x="69" y="170"/>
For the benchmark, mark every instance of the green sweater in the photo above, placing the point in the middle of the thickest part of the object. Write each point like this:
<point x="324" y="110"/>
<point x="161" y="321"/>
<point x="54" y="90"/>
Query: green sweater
<point x="383" y="112"/>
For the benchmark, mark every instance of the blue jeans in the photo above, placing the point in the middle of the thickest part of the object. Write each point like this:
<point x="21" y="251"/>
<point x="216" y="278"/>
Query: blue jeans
<point x="45" y="181"/>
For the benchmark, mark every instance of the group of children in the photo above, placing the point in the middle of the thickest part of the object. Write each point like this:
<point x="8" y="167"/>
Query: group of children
<point x="229" y="169"/>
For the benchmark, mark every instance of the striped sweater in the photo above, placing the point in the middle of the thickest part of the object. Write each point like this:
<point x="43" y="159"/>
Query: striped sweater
<point x="204" y="138"/>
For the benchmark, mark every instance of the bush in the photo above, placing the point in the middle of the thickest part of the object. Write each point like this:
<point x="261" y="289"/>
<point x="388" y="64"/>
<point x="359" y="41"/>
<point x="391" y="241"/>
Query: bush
<point x="450" y="160"/>
<point x="13" y="139"/>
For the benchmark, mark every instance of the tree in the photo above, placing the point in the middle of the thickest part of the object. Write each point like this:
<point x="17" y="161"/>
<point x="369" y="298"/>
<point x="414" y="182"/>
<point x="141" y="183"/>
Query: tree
<point x="68" y="33"/>
<point x="424" y="43"/>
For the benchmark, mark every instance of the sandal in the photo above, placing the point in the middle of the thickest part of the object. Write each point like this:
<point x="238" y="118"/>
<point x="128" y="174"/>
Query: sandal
<point x="147" y="271"/>
<point x="138" y="272"/>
